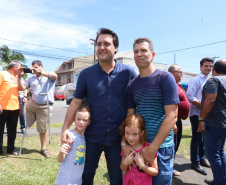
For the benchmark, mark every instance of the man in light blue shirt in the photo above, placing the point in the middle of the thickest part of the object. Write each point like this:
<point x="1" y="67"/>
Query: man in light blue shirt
<point x="36" y="108"/>
<point x="194" y="95"/>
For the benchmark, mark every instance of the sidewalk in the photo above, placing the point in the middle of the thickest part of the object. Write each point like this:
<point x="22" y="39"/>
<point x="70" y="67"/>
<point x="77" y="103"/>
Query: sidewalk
<point x="183" y="165"/>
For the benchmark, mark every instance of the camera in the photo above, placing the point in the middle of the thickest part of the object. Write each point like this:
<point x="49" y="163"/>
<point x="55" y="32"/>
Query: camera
<point x="27" y="70"/>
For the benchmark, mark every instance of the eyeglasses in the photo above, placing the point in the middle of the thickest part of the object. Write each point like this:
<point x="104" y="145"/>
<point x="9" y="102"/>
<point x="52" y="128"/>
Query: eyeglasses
<point x="179" y="72"/>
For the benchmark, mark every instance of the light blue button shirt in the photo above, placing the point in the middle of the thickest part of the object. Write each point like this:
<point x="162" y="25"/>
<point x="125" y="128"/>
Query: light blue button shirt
<point x="39" y="85"/>
<point x="194" y="92"/>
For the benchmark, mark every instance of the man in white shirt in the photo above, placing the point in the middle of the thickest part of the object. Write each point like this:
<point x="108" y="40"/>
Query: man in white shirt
<point x="194" y="95"/>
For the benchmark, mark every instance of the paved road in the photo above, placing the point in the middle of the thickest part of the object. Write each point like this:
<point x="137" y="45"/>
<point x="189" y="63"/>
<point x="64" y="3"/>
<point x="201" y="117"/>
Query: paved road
<point x="59" y="111"/>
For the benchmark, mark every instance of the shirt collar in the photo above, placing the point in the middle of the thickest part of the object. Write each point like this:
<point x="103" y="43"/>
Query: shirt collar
<point x="116" y="66"/>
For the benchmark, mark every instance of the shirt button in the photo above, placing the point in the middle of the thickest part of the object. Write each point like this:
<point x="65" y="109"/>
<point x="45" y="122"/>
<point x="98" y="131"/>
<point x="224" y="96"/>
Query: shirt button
<point x="108" y="118"/>
<point x="109" y="85"/>
<point x="108" y="107"/>
<point x="109" y="96"/>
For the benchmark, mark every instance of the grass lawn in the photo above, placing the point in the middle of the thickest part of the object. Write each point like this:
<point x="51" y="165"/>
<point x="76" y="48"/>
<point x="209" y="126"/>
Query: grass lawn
<point x="32" y="168"/>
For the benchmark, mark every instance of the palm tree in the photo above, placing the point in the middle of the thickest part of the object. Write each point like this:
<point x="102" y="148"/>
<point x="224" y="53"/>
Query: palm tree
<point x="6" y="56"/>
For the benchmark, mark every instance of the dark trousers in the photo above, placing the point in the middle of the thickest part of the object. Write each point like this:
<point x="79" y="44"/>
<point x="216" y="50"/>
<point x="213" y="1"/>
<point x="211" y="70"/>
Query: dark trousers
<point x="113" y="158"/>
<point x="9" y="118"/>
<point x="22" y="117"/>
<point x="177" y="137"/>
<point x="197" y="142"/>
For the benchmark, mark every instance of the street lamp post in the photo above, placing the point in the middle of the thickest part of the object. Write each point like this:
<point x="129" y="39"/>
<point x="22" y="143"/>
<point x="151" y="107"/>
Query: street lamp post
<point x="94" y="44"/>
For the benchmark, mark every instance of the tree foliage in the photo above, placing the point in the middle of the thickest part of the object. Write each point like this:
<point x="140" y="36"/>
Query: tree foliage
<point x="6" y="56"/>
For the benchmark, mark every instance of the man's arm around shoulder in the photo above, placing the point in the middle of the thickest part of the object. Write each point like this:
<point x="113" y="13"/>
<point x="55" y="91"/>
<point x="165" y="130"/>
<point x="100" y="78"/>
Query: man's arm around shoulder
<point x="166" y="127"/>
<point x="69" y="118"/>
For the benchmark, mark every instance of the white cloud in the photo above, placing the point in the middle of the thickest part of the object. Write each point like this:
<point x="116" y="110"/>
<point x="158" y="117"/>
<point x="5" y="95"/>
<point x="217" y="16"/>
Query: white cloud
<point x="31" y="28"/>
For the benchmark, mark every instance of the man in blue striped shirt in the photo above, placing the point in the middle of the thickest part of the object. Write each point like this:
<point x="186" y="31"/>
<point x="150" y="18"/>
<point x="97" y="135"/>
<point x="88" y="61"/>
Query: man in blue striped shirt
<point x="153" y="94"/>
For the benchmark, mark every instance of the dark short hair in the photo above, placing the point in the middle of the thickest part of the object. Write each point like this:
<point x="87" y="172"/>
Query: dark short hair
<point x="38" y="62"/>
<point x="110" y="32"/>
<point x="206" y="59"/>
<point x="144" y="39"/>
<point x="220" y="67"/>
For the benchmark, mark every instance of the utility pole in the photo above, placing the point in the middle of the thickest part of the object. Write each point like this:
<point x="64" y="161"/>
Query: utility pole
<point x="214" y="58"/>
<point x="94" y="54"/>
<point x="174" y="58"/>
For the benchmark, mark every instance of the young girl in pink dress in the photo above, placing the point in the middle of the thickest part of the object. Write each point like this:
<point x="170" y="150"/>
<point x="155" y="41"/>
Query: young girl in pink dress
<point x="134" y="132"/>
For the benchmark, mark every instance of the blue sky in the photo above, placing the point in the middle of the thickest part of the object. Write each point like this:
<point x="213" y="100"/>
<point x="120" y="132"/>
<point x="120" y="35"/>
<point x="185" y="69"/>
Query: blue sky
<point x="62" y="29"/>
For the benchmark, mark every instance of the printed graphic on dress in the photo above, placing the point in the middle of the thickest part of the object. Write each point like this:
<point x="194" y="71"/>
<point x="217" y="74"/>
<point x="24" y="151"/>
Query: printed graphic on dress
<point x="80" y="155"/>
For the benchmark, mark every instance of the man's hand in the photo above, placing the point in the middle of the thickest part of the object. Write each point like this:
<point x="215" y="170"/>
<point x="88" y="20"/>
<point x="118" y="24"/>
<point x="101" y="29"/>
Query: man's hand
<point x="35" y="71"/>
<point x="20" y="110"/>
<point x="197" y="104"/>
<point x="21" y="72"/>
<point x="1" y="109"/>
<point x="66" y="137"/>
<point x="25" y="100"/>
<point x="201" y="126"/>
<point x="127" y="150"/>
<point x="148" y="154"/>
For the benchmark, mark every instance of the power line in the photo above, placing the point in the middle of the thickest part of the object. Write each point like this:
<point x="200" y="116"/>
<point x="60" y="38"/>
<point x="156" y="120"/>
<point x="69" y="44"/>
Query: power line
<point x="45" y="46"/>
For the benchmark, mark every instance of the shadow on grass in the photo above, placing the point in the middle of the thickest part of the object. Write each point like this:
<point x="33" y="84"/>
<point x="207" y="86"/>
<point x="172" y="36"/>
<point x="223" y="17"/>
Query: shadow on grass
<point x="107" y="176"/>
<point x="24" y="152"/>
<point x="186" y="136"/>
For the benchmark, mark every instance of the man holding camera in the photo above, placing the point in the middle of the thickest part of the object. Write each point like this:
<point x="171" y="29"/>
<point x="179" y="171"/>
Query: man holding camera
<point x="36" y="109"/>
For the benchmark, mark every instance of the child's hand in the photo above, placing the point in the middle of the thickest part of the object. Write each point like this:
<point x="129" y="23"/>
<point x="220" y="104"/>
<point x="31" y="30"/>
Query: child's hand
<point x="129" y="159"/>
<point x="64" y="148"/>
<point x="139" y="160"/>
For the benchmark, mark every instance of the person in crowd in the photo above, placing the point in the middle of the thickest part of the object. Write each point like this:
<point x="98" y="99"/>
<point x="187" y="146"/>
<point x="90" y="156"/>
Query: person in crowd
<point x="183" y="108"/>
<point x="36" y="108"/>
<point x="212" y="122"/>
<point x="103" y="85"/>
<point x="23" y="100"/>
<point x="134" y="132"/>
<point x="194" y="94"/>
<point x="72" y="157"/>
<point x="153" y="94"/>
<point x="10" y="108"/>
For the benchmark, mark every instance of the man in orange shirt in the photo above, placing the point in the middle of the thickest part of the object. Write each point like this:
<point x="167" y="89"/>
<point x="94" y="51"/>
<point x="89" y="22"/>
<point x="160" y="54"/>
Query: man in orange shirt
<point x="9" y="105"/>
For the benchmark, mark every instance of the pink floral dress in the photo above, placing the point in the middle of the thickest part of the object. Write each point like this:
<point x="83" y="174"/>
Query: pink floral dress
<point x="135" y="176"/>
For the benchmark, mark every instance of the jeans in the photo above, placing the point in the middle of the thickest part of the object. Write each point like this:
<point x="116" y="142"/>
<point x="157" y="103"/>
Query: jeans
<point x="165" y="164"/>
<point x="197" y="143"/>
<point x="9" y="118"/>
<point x="214" y="140"/>
<point x="113" y="158"/>
<point x="22" y="117"/>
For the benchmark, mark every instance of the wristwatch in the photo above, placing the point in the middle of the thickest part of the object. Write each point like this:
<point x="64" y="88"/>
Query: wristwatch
<point x="201" y="119"/>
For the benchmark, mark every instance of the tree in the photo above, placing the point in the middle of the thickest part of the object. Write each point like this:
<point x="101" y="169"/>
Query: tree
<point x="6" y="56"/>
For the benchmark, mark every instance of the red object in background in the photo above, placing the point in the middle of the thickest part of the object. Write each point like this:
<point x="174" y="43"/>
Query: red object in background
<point x="59" y="96"/>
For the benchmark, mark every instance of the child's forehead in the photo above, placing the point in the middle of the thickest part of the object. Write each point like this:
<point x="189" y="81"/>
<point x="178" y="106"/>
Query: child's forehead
<point x="82" y="112"/>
